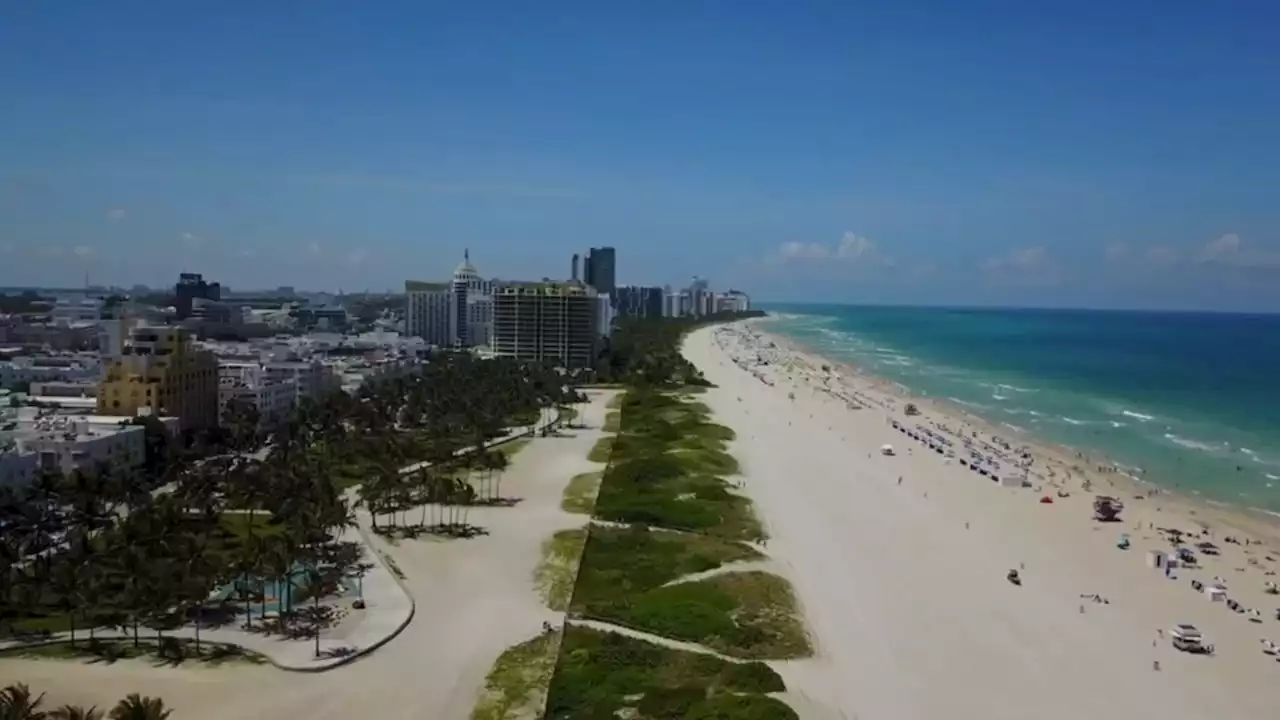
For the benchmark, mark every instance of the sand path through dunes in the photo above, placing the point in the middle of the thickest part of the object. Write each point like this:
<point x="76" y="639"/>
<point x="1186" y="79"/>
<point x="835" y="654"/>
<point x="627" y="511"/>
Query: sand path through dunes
<point x="474" y="599"/>
<point x="911" y="614"/>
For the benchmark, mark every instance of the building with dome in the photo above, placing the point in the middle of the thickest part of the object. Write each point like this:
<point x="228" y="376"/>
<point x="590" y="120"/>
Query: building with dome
<point x="473" y="305"/>
<point x="458" y="313"/>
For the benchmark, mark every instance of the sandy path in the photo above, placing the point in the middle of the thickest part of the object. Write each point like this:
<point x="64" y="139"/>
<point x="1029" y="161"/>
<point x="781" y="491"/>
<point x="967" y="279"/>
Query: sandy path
<point x="474" y="599"/>
<point x="911" y="613"/>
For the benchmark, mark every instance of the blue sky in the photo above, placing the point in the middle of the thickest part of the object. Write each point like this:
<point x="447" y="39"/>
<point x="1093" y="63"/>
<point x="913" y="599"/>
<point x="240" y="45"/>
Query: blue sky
<point x="1030" y="153"/>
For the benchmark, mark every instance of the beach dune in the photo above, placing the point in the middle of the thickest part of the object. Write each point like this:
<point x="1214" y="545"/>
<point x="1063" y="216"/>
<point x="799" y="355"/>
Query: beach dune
<point x="903" y="582"/>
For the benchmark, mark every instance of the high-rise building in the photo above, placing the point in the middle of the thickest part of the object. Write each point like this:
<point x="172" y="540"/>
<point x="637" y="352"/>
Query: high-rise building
<point x="192" y="286"/>
<point x="548" y="322"/>
<point x="431" y="312"/>
<point x="160" y="372"/>
<point x="599" y="269"/>
<point x="472" y="305"/>
<point x="637" y="301"/>
<point x="458" y="313"/>
<point x="573" y="268"/>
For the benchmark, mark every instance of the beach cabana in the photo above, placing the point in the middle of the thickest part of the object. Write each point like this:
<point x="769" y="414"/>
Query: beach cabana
<point x="1011" y="481"/>
<point x="886" y="449"/>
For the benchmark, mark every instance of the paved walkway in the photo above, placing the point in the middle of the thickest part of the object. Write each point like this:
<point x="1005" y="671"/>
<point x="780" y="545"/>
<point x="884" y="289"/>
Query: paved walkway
<point x="388" y="609"/>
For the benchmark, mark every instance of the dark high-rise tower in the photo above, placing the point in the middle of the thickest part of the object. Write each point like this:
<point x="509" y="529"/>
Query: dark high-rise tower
<point x="573" y="270"/>
<point x="599" y="270"/>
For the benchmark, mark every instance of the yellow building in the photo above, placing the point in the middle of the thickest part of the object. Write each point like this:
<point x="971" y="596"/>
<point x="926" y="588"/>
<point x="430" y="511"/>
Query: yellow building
<point x="162" y="371"/>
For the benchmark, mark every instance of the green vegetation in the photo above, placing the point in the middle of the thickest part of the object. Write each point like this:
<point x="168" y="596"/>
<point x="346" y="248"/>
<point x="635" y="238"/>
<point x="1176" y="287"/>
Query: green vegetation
<point x="665" y="470"/>
<point x="580" y="494"/>
<point x="619" y="563"/>
<point x="555" y="574"/>
<point x="629" y="577"/>
<point x="605" y="675"/>
<point x="600" y="452"/>
<point x="646" y="351"/>
<point x="665" y="572"/>
<point x="102" y="548"/>
<point x="170" y="651"/>
<point x="516" y="688"/>
<point x="18" y="703"/>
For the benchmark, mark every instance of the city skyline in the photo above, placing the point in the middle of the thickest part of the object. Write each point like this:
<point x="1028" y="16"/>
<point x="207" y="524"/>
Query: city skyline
<point x="995" y="156"/>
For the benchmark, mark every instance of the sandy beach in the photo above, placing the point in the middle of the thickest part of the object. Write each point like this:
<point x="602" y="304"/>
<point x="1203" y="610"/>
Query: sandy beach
<point x="900" y="561"/>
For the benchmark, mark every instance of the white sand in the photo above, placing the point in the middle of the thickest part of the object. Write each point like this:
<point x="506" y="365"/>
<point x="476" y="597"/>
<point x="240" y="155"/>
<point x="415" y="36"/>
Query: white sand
<point x="474" y="599"/>
<point x="911" y="612"/>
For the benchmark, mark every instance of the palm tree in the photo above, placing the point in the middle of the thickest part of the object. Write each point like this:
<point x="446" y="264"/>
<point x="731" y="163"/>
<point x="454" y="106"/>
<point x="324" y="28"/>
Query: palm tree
<point x="76" y="712"/>
<point x="16" y="703"/>
<point x="137" y="707"/>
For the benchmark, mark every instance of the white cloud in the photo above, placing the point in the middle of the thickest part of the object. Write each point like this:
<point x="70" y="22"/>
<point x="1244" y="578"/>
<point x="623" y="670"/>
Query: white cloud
<point x="357" y="257"/>
<point x="1222" y="248"/>
<point x="246" y="253"/>
<point x="851" y="249"/>
<point x="854" y="248"/>
<point x="1116" y="252"/>
<point x="82" y="251"/>
<point x="192" y="240"/>
<point x="314" y="249"/>
<point x="1230" y="251"/>
<point x="117" y="214"/>
<point x="801" y="251"/>
<point x="1019" y="259"/>
<point x="1162" y="255"/>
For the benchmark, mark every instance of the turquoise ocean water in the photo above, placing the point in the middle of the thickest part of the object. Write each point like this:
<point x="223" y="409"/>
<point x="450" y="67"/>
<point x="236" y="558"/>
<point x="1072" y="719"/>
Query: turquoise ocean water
<point x="1191" y="398"/>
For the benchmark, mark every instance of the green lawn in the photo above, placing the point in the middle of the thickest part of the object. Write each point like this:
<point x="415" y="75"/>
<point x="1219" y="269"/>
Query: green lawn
<point x="604" y="675"/>
<point x="516" y="688"/>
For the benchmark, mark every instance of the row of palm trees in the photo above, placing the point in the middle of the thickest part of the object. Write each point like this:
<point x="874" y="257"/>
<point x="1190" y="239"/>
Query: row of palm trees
<point x="107" y="549"/>
<point x="18" y="703"/>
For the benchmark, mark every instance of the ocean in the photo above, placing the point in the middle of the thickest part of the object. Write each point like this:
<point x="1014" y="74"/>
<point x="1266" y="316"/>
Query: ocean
<point x="1191" y="398"/>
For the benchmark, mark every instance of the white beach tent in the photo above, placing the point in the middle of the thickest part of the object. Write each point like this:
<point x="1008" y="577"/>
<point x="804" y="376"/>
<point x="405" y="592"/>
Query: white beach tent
<point x="886" y="449"/>
<point x="1011" y="481"/>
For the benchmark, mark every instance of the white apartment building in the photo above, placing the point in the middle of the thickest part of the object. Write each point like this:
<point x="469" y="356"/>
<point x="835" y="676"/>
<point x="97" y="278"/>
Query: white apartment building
<point x="40" y="440"/>
<point x="604" y="314"/>
<point x="68" y="311"/>
<point x="452" y="314"/>
<point x="250" y="382"/>
<point x="63" y="367"/>
<point x="431" y="312"/>
<point x="311" y="378"/>
<point x="17" y="467"/>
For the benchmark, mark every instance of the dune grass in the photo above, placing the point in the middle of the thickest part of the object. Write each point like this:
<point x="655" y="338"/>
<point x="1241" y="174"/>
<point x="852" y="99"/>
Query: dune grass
<point x="605" y="675"/>
<point x="613" y="422"/>
<point x="667" y="467"/>
<point x="625" y="579"/>
<point x="580" y="493"/>
<point x="516" y="688"/>
<point x="555" y="574"/>
<point x="601" y="450"/>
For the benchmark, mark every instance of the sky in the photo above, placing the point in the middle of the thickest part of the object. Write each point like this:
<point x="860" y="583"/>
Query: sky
<point x="1081" y="154"/>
